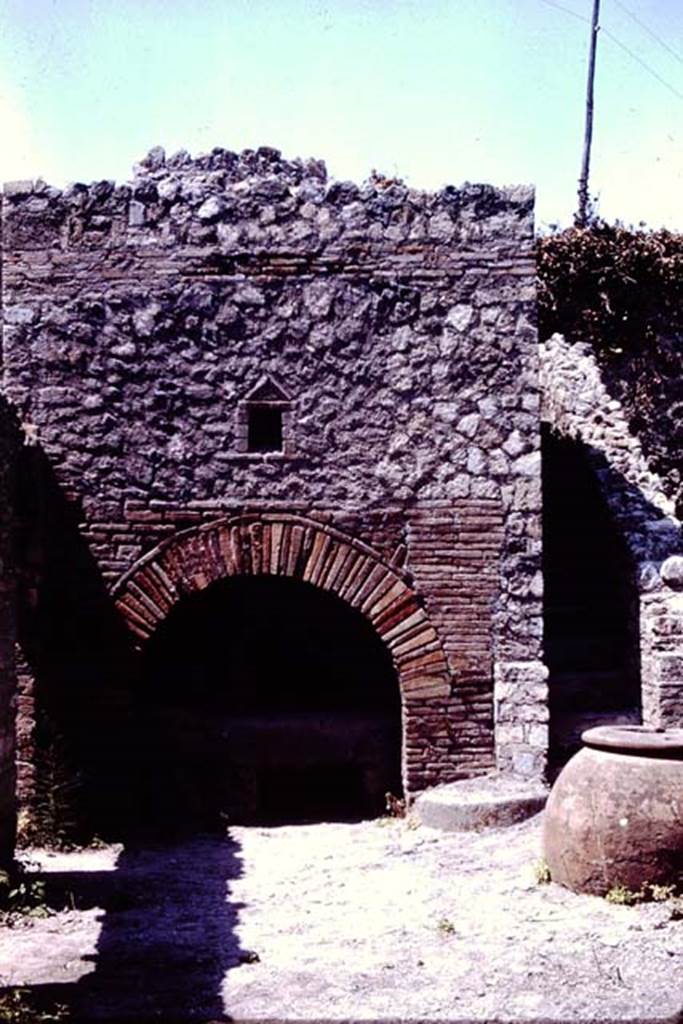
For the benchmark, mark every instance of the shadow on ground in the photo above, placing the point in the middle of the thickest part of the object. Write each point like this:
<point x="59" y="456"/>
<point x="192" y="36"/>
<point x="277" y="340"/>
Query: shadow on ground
<point x="167" y="939"/>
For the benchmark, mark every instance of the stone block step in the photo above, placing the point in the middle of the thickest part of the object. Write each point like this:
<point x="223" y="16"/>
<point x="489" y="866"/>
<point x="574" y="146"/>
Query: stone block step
<point x="488" y="801"/>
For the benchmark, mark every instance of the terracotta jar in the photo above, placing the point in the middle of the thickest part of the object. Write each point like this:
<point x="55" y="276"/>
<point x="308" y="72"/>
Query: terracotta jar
<point x="615" y="814"/>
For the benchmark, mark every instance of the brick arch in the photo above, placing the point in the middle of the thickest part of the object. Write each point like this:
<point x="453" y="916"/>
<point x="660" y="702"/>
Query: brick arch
<point x="302" y="549"/>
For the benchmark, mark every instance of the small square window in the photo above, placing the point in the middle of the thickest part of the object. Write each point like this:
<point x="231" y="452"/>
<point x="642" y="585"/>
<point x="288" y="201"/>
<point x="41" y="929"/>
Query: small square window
<point x="264" y="420"/>
<point x="264" y="428"/>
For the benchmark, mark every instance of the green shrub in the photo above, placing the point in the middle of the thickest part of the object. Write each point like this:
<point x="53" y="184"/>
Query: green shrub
<point x="621" y="291"/>
<point x="614" y="287"/>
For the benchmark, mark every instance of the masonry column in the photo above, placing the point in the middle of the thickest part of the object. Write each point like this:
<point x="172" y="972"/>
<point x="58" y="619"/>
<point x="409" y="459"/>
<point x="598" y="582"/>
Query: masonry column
<point x="661" y="637"/>
<point x="7" y="630"/>
<point x="7" y="767"/>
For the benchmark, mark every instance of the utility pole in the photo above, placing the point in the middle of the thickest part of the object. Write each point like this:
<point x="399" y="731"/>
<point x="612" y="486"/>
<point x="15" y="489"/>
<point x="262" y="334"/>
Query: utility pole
<point x="582" y="212"/>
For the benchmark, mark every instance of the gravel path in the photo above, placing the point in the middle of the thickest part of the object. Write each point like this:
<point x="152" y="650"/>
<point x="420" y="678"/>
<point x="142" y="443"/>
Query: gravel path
<point x="374" y="921"/>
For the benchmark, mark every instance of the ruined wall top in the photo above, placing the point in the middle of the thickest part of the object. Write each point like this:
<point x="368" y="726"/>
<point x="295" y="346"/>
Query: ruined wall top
<point x="256" y="200"/>
<point x="138" y="319"/>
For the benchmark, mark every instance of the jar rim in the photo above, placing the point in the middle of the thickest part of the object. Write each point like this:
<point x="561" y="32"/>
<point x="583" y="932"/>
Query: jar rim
<point x="640" y="740"/>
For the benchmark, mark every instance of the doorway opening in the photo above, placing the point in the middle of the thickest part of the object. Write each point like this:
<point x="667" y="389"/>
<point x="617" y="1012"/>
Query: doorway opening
<point x="590" y="603"/>
<point x="267" y="700"/>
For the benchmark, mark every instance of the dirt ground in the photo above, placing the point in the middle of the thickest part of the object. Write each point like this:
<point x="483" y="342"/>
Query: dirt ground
<point x="376" y="921"/>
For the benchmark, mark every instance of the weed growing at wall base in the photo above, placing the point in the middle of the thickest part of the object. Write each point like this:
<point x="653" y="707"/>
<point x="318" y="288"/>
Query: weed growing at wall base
<point x="21" y="895"/>
<point x="621" y="895"/>
<point x="17" y="1006"/>
<point x="50" y="817"/>
<point x="542" y="874"/>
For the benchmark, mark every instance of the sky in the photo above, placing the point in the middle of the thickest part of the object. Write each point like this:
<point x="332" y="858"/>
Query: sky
<point x="433" y="91"/>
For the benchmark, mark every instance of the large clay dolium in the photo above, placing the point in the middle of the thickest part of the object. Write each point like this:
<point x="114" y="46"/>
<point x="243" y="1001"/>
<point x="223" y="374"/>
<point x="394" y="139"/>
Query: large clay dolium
<point x="615" y="814"/>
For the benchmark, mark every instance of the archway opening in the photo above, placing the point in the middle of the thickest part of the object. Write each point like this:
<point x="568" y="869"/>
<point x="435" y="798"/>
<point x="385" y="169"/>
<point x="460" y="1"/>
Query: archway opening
<point x="267" y="700"/>
<point x="590" y="603"/>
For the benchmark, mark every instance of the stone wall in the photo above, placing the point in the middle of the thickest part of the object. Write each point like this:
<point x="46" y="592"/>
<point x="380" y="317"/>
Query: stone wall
<point x="396" y="331"/>
<point x="647" y="382"/>
<point x="578" y="404"/>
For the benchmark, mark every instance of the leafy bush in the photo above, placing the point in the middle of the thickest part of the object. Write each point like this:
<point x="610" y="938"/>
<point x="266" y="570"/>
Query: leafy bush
<point x="621" y="291"/>
<point x="609" y="285"/>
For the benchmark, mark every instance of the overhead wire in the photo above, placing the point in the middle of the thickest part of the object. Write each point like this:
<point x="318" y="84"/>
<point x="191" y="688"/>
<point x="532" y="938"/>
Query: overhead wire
<point x="623" y="46"/>
<point x="643" y="64"/>
<point x="567" y="10"/>
<point x="650" y="32"/>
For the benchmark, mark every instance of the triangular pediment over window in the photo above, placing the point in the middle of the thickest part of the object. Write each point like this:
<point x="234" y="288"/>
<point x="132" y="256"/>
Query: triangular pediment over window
<point x="267" y="390"/>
